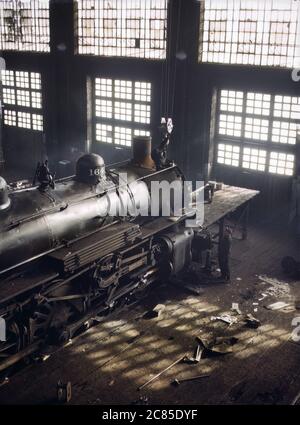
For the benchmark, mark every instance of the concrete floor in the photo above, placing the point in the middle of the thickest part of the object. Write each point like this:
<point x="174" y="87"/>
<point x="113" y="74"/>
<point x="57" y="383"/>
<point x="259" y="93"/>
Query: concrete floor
<point x="109" y="362"/>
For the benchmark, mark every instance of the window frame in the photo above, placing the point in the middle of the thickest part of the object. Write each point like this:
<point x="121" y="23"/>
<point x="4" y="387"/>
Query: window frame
<point x="40" y="22"/>
<point x="244" y="142"/>
<point x="97" y="43"/>
<point x="17" y="108"/>
<point x="273" y="60"/>
<point x="114" y="122"/>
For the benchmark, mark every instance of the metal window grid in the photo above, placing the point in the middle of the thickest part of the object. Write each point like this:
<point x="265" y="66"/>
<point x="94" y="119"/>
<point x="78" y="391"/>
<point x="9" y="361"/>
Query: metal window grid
<point x="271" y="127"/>
<point x="250" y="32"/>
<point x="130" y="28"/>
<point x="24" y="25"/>
<point x="254" y="159"/>
<point x="121" y="109"/>
<point x="22" y="98"/>
<point x="281" y="163"/>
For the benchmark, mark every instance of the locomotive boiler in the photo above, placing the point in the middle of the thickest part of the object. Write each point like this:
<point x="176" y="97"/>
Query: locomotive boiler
<point x="79" y="248"/>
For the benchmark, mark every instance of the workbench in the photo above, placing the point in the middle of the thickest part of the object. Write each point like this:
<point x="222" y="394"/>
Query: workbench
<point x="226" y="201"/>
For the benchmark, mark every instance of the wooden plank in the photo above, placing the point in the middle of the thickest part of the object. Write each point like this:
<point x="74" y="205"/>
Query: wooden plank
<point x="226" y="201"/>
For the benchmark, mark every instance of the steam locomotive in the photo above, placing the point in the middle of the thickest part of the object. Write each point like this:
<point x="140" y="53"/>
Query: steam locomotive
<point x="65" y="261"/>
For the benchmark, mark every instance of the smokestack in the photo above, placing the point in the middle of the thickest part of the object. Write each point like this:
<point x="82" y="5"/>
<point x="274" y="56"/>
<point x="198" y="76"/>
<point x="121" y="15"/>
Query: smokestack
<point x="141" y="151"/>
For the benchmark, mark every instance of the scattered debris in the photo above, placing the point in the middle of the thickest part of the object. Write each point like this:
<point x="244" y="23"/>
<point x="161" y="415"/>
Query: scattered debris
<point x="160" y="373"/>
<point x="223" y="345"/>
<point x="64" y="392"/>
<point x="238" y="278"/>
<point x="4" y="381"/>
<point x="193" y="378"/>
<point x="142" y="401"/>
<point x="295" y="400"/>
<point x="255" y="310"/>
<point x="40" y="357"/>
<point x="263" y="296"/>
<point x="227" y="318"/>
<point x="155" y="312"/>
<point x="197" y="355"/>
<point x="45" y="357"/>
<point x="252" y="322"/>
<point x="279" y="305"/>
<point x="255" y="303"/>
<point x="277" y="289"/>
<point x="218" y="345"/>
<point x="235" y="307"/>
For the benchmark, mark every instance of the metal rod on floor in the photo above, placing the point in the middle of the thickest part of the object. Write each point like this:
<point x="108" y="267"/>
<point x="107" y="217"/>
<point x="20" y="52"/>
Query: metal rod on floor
<point x="160" y="373"/>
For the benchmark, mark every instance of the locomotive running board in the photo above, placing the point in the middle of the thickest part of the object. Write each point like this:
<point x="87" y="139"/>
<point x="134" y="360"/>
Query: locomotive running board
<point x="87" y="250"/>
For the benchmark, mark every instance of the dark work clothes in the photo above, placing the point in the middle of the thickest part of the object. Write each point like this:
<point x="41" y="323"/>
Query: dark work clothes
<point x="224" y="255"/>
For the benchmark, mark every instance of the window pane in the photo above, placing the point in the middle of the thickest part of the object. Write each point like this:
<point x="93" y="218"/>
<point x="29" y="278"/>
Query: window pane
<point x="24" y="120"/>
<point x="37" y="122"/>
<point x="9" y="96"/>
<point x="250" y="32"/>
<point x="231" y="101"/>
<point x="24" y="25"/>
<point x="118" y="101"/>
<point x="255" y="123"/>
<point x="254" y="159"/>
<point x="123" y="136"/>
<point x="282" y="163"/>
<point x="230" y="125"/>
<point x="257" y="129"/>
<point x="22" y="97"/>
<point x="104" y="133"/>
<point x="132" y="28"/>
<point x="228" y="154"/>
<point x="287" y="107"/>
<point x="10" y="117"/>
<point x="103" y="108"/>
<point x="258" y="104"/>
<point x="284" y="132"/>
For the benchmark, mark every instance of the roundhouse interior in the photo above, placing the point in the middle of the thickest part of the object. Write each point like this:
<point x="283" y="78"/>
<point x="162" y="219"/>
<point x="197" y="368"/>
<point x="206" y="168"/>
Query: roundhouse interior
<point x="81" y="77"/>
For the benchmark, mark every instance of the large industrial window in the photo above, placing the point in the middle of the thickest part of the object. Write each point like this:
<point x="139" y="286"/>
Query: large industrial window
<point x="250" y="32"/>
<point x="122" y="109"/>
<point x="257" y="131"/>
<point x="24" y="25"/>
<point x="22" y="98"/>
<point x="132" y="28"/>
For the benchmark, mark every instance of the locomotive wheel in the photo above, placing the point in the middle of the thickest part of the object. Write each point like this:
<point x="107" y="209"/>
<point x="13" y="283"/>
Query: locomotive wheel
<point x="40" y="321"/>
<point x="15" y="341"/>
<point x="48" y="320"/>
